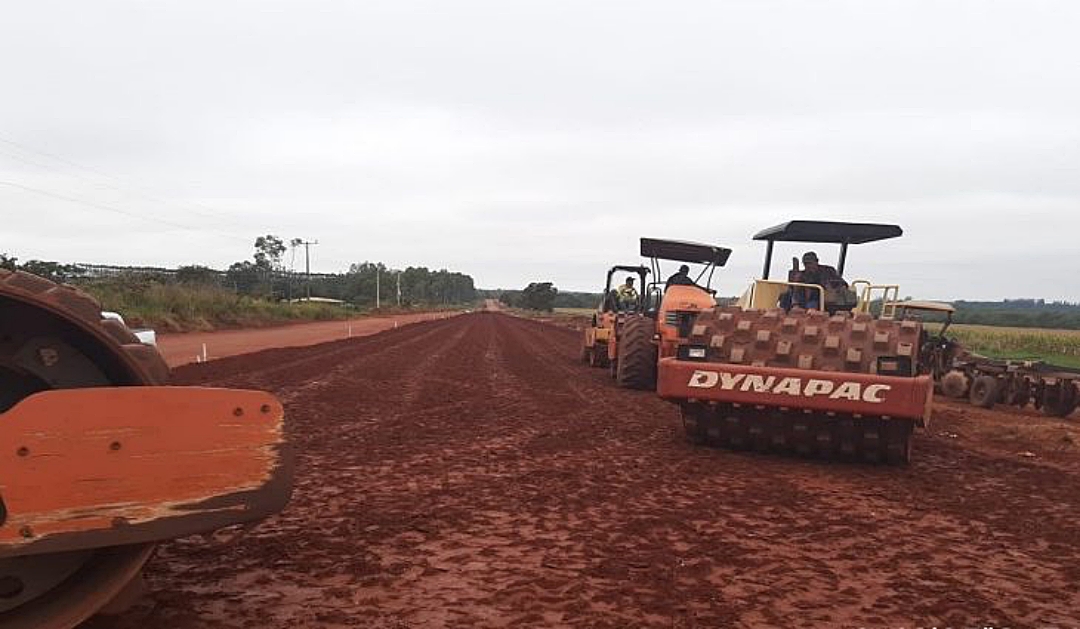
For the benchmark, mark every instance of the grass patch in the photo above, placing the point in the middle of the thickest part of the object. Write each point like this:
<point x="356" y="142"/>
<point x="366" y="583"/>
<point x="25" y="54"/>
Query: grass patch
<point x="184" y="308"/>
<point x="576" y="312"/>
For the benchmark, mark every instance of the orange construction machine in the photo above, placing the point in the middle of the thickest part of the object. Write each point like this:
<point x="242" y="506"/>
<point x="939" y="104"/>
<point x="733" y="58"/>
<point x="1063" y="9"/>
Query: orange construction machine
<point x="668" y="307"/>
<point x="99" y="461"/>
<point x="809" y="365"/>
<point x="598" y="346"/>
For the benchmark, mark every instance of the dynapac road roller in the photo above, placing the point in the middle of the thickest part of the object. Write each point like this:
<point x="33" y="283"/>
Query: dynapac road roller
<point x="99" y="461"/>
<point x="835" y="380"/>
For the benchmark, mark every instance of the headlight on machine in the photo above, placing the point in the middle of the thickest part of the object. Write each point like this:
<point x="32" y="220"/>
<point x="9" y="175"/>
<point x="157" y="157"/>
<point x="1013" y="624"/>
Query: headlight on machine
<point x="692" y="352"/>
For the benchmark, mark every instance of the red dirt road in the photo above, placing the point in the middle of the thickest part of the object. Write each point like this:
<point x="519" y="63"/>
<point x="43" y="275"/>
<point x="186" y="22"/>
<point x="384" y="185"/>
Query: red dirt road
<point x="181" y="349"/>
<point x="469" y="473"/>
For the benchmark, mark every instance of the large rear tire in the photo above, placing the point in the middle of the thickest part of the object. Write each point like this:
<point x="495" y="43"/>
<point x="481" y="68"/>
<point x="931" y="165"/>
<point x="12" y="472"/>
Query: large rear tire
<point x="637" y="354"/>
<point x="598" y="356"/>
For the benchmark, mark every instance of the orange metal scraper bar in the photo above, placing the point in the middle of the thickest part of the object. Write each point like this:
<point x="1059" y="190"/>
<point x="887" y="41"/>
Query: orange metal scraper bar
<point x="105" y="466"/>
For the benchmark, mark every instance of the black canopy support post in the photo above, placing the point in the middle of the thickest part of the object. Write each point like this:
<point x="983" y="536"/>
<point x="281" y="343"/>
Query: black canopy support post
<point x="843" y="258"/>
<point x="768" y="259"/>
<point x="702" y="273"/>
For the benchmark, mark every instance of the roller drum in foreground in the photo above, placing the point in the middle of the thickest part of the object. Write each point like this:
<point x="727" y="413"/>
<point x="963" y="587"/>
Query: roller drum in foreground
<point x="99" y="461"/>
<point x="837" y="387"/>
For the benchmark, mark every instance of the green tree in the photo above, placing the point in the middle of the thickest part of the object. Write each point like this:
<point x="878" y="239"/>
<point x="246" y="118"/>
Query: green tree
<point x="52" y="270"/>
<point x="8" y="262"/>
<point x="268" y="251"/>
<point x="195" y="274"/>
<point x="539" y="296"/>
<point x="510" y="298"/>
<point x="244" y="277"/>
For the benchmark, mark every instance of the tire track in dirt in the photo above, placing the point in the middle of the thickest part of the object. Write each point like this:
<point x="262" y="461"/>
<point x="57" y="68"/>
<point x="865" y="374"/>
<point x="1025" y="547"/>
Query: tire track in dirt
<point x="469" y="473"/>
<point x="282" y="368"/>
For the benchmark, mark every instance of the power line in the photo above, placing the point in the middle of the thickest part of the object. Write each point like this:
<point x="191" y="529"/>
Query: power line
<point x="119" y="185"/>
<point x="110" y="208"/>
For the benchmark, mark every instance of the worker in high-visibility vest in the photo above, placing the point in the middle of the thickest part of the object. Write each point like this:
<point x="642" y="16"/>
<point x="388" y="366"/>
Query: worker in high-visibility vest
<point x="626" y="294"/>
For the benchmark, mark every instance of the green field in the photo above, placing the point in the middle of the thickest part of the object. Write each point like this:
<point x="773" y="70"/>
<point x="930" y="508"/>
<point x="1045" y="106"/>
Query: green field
<point x="1060" y="347"/>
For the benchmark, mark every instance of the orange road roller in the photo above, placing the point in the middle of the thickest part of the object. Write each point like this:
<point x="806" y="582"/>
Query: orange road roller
<point x="99" y="460"/>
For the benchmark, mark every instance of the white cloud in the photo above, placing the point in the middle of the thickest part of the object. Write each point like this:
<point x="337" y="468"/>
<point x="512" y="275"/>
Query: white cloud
<point x="538" y="140"/>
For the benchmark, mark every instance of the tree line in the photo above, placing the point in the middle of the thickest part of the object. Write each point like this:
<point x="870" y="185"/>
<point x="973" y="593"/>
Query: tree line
<point x="265" y="275"/>
<point x="1020" y="313"/>
<point x="542" y="296"/>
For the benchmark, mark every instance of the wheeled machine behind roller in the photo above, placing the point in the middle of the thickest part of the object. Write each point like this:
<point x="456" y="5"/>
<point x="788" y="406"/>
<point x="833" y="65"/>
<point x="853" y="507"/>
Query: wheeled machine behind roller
<point x="598" y="347"/>
<point x="652" y="333"/>
<point x="99" y="460"/>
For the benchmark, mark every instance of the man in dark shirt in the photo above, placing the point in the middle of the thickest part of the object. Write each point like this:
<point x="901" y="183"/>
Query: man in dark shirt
<point x="681" y="278"/>
<point x="820" y="274"/>
<point x="814" y="273"/>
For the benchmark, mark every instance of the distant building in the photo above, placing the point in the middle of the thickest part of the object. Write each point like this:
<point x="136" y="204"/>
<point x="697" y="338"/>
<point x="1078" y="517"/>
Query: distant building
<point x="317" y="300"/>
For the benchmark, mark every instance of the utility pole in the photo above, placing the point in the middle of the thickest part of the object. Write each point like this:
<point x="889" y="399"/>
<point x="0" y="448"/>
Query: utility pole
<point x="398" y="276"/>
<point x="378" y="303"/>
<point x="293" y="244"/>
<point x="307" y="263"/>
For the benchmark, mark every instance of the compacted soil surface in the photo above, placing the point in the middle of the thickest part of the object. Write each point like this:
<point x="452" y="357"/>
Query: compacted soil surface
<point x="469" y="472"/>
<point x="187" y="347"/>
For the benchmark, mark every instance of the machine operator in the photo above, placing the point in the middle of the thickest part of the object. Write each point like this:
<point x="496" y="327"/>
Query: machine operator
<point x="680" y="278"/>
<point x="814" y="273"/>
<point x="626" y="294"/>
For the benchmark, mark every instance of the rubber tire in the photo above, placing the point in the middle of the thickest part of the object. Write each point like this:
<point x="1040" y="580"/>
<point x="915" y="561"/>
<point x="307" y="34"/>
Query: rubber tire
<point x="1061" y="406"/>
<point x="955" y="385"/>
<point x="637" y="354"/>
<point x="984" y="391"/>
<point x="597" y="356"/>
<point x="1057" y="410"/>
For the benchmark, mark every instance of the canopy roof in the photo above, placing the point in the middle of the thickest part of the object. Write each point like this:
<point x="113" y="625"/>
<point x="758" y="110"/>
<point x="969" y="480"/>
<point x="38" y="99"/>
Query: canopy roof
<point x="681" y="251"/>
<point x="829" y="231"/>
<point x="630" y="268"/>
<point x="930" y="306"/>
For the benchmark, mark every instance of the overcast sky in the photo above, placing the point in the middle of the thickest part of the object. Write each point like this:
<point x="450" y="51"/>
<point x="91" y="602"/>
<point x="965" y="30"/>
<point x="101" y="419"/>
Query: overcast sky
<point x="521" y="141"/>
